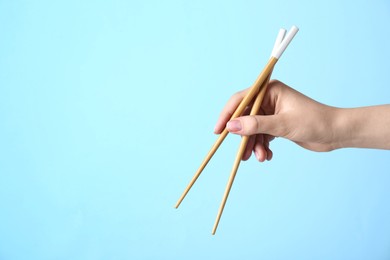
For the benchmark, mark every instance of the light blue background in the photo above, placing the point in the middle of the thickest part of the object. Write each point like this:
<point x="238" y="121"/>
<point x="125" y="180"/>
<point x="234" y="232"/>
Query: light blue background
<point x="107" y="108"/>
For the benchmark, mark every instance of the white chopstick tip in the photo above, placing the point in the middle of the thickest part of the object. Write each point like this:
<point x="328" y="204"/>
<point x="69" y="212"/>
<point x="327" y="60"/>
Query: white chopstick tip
<point x="282" y="32"/>
<point x="286" y="41"/>
<point x="278" y="41"/>
<point x="294" y="29"/>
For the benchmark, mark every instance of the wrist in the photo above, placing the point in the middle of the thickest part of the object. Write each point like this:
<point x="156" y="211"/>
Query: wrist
<point x="363" y="127"/>
<point x="355" y="127"/>
<point x="343" y="128"/>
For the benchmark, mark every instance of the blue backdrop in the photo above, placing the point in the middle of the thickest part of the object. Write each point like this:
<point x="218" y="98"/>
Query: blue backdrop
<point x="107" y="108"/>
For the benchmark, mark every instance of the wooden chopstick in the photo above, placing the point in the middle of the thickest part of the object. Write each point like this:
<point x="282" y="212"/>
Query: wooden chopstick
<point x="239" y="110"/>
<point x="244" y="141"/>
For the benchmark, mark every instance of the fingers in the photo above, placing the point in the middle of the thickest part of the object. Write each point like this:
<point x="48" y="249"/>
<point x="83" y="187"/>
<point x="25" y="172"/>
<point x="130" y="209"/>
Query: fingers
<point x="249" y="148"/>
<point x="228" y="111"/>
<point x="267" y="140"/>
<point x="259" y="144"/>
<point x="251" y="125"/>
<point x="261" y="148"/>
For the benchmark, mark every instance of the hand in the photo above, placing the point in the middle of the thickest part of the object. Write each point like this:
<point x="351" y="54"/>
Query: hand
<point x="284" y="113"/>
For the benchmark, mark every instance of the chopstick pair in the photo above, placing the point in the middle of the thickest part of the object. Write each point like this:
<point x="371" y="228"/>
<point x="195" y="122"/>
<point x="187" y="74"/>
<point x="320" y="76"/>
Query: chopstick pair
<point x="258" y="88"/>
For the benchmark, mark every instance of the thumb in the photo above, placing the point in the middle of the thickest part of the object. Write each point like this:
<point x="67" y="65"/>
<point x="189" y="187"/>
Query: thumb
<point x="251" y="125"/>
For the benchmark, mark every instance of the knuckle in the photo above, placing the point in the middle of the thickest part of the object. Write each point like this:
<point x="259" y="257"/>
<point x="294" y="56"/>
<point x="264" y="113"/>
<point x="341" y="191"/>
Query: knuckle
<point x="237" y="97"/>
<point x="274" y="82"/>
<point x="252" y="125"/>
<point x="234" y="99"/>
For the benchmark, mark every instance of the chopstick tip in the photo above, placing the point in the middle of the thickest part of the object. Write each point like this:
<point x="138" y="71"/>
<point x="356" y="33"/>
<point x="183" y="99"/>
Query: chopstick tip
<point x="179" y="202"/>
<point x="214" y="230"/>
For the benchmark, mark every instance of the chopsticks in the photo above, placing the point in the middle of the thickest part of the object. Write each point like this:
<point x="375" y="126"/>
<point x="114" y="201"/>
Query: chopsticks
<point x="244" y="140"/>
<point x="259" y="89"/>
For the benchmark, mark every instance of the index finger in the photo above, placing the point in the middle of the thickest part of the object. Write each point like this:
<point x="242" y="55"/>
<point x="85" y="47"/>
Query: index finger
<point x="228" y="110"/>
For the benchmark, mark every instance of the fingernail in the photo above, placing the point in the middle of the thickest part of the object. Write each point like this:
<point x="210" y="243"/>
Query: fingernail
<point x="257" y="155"/>
<point x="234" y="125"/>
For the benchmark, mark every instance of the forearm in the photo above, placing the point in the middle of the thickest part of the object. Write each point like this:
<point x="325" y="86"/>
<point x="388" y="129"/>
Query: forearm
<point x="364" y="127"/>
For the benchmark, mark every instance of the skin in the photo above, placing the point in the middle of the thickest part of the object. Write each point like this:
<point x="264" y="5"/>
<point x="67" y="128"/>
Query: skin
<point x="317" y="127"/>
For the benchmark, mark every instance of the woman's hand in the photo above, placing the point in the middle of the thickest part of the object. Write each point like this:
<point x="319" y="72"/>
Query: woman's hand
<point x="284" y="113"/>
<point x="287" y="113"/>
